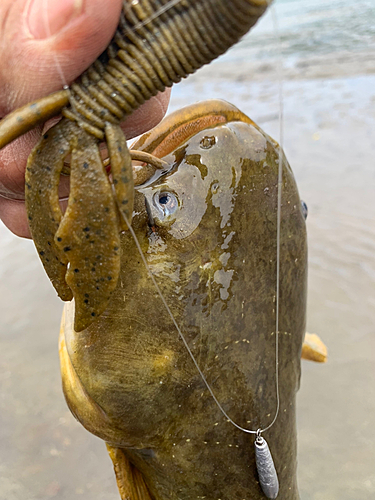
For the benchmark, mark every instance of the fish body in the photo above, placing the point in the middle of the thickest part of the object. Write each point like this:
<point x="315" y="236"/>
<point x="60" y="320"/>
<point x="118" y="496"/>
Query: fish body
<point x="207" y="229"/>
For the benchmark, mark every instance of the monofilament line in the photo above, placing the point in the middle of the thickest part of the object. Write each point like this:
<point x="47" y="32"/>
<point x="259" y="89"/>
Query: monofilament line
<point x="156" y="14"/>
<point x="169" y="5"/>
<point x="278" y="237"/>
<point x="279" y="199"/>
<point x="179" y="330"/>
<point x="279" y="191"/>
<point x="159" y="292"/>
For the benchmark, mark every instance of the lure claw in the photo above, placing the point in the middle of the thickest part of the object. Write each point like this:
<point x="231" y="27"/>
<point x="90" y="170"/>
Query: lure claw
<point x="89" y="233"/>
<point x="121" y="170"/>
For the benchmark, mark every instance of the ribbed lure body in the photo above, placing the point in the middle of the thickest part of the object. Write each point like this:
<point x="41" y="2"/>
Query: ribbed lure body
<point x="157" y="43"/>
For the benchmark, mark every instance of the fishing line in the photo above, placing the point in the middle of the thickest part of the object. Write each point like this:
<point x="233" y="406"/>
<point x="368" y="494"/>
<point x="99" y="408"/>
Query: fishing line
<point x="279" y="74"/>
<point x="169" y="5"/>
<point x="178" y="328"/>
<point x="277" y="294"/>
<point x="162" y="10"/>
<point x="158" y="13"/>
<point x="128" y="7"/>
<point x="155" y="15"/>
<point x="266" y="470"/>
<point x="267" y="474"/>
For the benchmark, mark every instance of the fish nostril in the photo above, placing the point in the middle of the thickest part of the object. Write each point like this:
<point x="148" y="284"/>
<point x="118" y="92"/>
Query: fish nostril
<point x="207" y="142"/>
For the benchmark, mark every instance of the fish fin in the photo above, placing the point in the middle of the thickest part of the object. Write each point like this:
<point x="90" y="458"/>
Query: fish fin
<point x="89" y="233"/>
<point x="314" y="349"/>
<point x="130" y="481"/>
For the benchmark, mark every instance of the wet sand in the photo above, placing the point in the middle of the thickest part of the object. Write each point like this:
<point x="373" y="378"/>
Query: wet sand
<point x="329" y="129"/>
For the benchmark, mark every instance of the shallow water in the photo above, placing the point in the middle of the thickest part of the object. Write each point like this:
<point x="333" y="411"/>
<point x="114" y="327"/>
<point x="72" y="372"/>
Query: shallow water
<point x="329" y="136"/>
<point x="321" y="36"/>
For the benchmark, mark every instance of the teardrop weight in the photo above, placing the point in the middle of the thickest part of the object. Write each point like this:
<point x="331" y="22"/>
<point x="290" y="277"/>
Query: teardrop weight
<point x="266" y="469"/>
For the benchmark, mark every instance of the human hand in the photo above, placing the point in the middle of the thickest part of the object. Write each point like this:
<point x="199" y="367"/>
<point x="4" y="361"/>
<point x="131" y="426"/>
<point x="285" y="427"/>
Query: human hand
<point x="45" y="44"/>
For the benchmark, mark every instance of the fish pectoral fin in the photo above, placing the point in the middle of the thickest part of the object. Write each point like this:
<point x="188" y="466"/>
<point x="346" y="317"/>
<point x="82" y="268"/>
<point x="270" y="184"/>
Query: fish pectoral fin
<point x="313" y="349"/>
<point x="130" y="481"/>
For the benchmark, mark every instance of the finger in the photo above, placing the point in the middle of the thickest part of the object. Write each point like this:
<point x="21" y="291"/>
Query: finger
<point x="147" y="116"/>
<point x="35" y="59"/>
<point x="13" y="215"/>
<point x="48" y="43"/>
<point x="13" y="160"/>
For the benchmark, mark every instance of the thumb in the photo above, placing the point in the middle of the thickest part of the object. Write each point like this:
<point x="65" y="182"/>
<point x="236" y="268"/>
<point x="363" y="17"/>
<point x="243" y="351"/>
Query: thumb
<point x="46" y="44"/>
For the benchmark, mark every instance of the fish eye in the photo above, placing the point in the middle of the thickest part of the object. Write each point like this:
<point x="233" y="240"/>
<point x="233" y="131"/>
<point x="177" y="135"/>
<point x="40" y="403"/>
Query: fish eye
<point x="305" y="210"/>
<point x="166" y="202"/>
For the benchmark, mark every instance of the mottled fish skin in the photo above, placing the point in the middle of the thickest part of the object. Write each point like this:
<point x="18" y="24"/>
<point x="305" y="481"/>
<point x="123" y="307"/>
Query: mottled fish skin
<point x="128" y="377"/>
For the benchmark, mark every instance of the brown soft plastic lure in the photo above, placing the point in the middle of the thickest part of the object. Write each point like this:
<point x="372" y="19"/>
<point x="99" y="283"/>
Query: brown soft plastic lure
<point x="157" y="43"/>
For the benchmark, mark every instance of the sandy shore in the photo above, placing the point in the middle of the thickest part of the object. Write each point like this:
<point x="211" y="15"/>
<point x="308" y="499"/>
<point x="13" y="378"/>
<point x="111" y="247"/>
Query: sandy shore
<point x="336" y="65"/>
<point x="329" y="138"/>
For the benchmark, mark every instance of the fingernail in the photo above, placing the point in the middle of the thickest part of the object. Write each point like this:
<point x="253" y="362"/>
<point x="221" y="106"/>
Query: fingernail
<point x="48" y="17"/>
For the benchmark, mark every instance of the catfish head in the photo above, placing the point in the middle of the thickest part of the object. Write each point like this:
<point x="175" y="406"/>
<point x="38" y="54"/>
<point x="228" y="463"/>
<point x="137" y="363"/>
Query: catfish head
<point x="207" y="229"/>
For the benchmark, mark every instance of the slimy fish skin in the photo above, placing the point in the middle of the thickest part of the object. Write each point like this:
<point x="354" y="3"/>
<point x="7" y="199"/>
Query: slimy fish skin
<point x="207" y="228"/>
